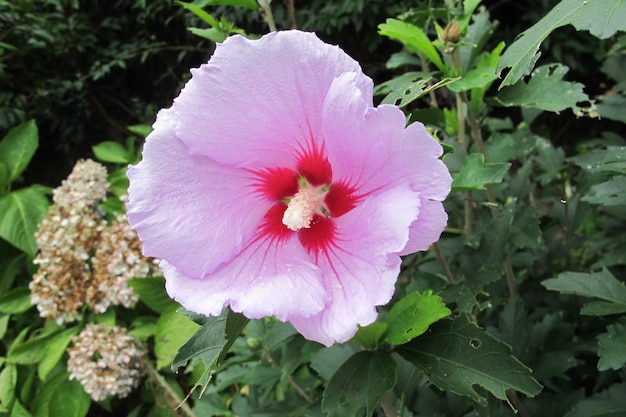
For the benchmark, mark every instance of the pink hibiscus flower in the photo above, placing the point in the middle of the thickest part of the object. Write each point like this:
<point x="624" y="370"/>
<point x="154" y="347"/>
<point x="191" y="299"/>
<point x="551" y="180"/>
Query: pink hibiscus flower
<point x="274" y="186"/>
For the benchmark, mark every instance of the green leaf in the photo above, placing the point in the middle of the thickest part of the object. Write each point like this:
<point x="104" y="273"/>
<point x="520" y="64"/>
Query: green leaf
<point x="250" y="4"/>
<point x="151" y="291"/>
<point x="413" y="38"/>
<point x="8" y="382"/>
<point x="18" y="147"/>
<point x="602" y="285"/>
<point x="456" y="355"/>
<point x="112" y="152"/>
<point x="408" y="87"/>
<point x="173" y="329"/>
<point x="612" y="350"/>
<point x="210" y="343"/>
<point x="608" y="193"/>
<point x="15" y="301"/>
<point x="371" y="335"/>
<point x="411" y="316"/>
<point x="326" y="361"/>
<point x="212" y="34"/>
<point x="475" y="173"/>
<point x="611" y="106"/>
<point x="69" y="400"/>
<point x="198" y="11"/>
<point x="476" y="78"/>
<point x="29" y="352"/>
<point x="608" y="403"/>
<point x="19" y="410"/>
<point x="611" y="159"/>
<point x="22" y="211"/>
<point x="41" y="404"/>
<point x="602" y="308"/>
<point x="54" y="350"/>
<point x="545" y="90"/>
<point x="359" y="383"/>
<point x="601" y="17"/>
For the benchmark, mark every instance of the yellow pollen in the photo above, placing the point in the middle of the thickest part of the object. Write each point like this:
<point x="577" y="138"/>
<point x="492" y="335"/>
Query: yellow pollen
<point x="301" y="209"/>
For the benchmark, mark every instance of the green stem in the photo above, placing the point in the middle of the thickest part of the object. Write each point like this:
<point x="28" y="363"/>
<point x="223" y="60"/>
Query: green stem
<point x="171" y="398"/>
<point x="387" y="405"/>
<point x="267" y="15"/>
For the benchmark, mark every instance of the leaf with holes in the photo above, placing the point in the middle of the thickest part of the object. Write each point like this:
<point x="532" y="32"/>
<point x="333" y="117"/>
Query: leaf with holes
<point x="457" y="355"/>
<point x="411" y="316"/>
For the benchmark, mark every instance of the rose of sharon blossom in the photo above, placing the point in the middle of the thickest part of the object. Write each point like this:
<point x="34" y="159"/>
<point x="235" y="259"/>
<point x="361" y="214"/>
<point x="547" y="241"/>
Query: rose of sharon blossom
<point x="274" y="186"/>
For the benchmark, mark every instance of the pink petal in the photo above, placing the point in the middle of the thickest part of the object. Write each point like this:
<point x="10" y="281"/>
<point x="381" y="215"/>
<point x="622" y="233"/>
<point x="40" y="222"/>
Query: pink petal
<point x="270" y="277"/>
<point x="427" y="228"/>
<point x="257" y="103"/>
<point x="361" y="267"/>
<point x="186" y="209"/>
<point x="371" y="150"/>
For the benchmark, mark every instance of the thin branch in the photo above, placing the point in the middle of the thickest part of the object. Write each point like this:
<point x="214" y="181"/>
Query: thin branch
<point x="266" y="11"/>
<point x="290" y="379"/>
<point x="291" y="11"/>
<point x="387" y="405"/>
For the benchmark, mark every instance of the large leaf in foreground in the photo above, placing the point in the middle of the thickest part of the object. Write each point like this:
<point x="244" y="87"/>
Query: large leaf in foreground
<point x="457" y="355"/>
<point x="359" y="384"/>
<point x="600" y="17"/>
<point x="18" y="147"/>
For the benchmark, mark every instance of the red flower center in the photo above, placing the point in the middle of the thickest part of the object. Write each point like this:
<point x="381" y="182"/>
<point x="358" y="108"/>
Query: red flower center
<point x="307" y="201"/>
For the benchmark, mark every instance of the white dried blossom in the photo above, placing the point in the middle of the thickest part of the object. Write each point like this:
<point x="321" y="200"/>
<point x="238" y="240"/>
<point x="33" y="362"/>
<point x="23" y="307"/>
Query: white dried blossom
<point x="83" y="261"/>
<point x="86" y="185"/>
<point x="106" y="360"/>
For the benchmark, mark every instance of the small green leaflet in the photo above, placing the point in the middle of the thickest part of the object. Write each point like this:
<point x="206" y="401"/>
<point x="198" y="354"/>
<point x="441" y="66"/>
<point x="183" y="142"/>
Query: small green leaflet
<point x="475" y="173"/>
<point x="17" y="148"/>
<point x="411" y="316"/>
<point x="545" y="90"/>
<point x="359" y="384"/>
<point x="210" y="343"/>
<point x="413" y="38"/>
<point x="612" y="350"/>
<point x="22" y="211"/>
<point x="600" y="17"/>
<point x="456" y="355"/>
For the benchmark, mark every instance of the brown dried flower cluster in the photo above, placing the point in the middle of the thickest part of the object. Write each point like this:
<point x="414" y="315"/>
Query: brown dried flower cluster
<point x="82" y="259"/>
<point x="106" y="361"/>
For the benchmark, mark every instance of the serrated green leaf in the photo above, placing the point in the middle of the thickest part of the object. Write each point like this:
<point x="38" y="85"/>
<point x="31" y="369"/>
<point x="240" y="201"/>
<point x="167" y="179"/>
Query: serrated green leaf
<point x="611" y="159"/>
<point x="602" y="308"/>
<point x="602" y="285"/>
<point x="475" y="173"/>
<point x="54" y="350"/>
<point x="608" y="403"/>
<point x="406" y="88"/>
<point x="210" y="343"/>
<point x="112" y="152"/>
<point x="456" y="355"/>
<point x="608" y="193"/>
<point x="18" y="147"/>
<point x="525" y="229"/>
<point x="545" y="90"/>
<point x="612" y="350"/>
<point x="22" y="211"/>
<point x="411" y="316"/>
<point x="173" y="329"/>
<point x="359" y="383"/>
<point x="476" y="78"/>
<point x="15" y="301"/>
<point x="601" y="17"/>
<point x="151" y="291"/>
<point x="611" y="106"/>
<point x="413" y="38"/>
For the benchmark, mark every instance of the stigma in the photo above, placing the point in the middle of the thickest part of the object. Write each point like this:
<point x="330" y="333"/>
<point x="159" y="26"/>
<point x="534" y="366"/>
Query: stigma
<point x="301" y="208"/>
